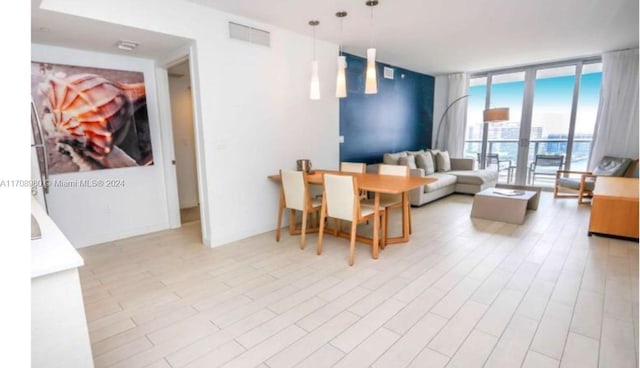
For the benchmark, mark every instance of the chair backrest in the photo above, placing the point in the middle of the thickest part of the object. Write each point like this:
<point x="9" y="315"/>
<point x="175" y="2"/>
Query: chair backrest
<point x="353" y="167"/>
<point x="295" y="188"/>
<point x="341" y="195"/>
<point x="394" y="170"/>
<point x="549" y="161"/>
<point x="492" y="158"/>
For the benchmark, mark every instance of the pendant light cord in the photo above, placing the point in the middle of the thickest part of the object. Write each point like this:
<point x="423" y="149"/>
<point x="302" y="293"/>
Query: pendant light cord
<point x="371" y="38"/>
<point x="314" y="43"/>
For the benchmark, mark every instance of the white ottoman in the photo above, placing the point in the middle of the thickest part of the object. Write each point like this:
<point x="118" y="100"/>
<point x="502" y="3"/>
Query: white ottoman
<point x="496" y="205"/>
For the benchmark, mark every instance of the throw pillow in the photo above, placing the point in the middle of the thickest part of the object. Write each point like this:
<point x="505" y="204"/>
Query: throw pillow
<point x="413" y="153"/>
<point x="425" y="161"/>
<point x="612" y="166"/>
<point x="434" y="155"/>
<point x="408" y="161"/>
<point x="392" y="158"/>
<point x="444" y="162"/>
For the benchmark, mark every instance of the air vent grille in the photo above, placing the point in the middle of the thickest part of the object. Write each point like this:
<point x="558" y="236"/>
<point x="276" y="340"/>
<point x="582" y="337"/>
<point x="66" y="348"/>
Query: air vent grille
<point x="249" y="34"/>
<point x="388" y="72"/>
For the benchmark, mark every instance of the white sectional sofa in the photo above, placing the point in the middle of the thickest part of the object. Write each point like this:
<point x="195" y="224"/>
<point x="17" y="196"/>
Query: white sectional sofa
<point x="454" y="175"/>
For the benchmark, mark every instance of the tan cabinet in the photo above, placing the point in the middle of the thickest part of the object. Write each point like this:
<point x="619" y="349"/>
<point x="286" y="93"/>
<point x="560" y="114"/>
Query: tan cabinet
<point x="614" y="207"/>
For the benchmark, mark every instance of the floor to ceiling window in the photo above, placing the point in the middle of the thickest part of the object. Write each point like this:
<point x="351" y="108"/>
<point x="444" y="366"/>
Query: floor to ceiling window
<point x="552" y="115"/>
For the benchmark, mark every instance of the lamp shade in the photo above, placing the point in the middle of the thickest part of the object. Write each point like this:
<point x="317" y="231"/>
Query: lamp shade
<point x="496" y="114"/>
<point x="341" y="80"/>
<point x="371" y="81"/>
<point x="314" y="90"/>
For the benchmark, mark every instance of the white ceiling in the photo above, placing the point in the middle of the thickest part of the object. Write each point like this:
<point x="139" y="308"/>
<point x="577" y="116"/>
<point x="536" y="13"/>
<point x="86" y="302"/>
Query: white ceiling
<point x="443" y="36"/>
<point x="433" y="37"/>
<point x="53" y="28"/>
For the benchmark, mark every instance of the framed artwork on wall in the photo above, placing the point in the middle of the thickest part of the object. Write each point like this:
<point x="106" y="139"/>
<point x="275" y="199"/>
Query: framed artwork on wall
<point x="90" y="118"/>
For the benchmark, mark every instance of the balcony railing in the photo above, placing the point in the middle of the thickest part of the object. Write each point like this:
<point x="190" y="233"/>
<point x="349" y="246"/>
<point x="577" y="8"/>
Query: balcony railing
<point x="507" y="149"/>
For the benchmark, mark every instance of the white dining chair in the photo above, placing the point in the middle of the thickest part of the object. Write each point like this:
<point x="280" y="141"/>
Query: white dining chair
<point x="341" y="201"/>
<point x="391" y="201"/>
<point x="353" y="167"/>
<point x="295" y="195"/>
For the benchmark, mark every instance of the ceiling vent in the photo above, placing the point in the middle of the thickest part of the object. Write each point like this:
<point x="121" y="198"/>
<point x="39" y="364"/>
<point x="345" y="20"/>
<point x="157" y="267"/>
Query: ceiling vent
<point x="249" y="34"/>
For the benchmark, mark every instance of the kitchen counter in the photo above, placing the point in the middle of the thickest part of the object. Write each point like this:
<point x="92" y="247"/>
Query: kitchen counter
<point x="59" y="334"/>
<point x="52" y="252"/>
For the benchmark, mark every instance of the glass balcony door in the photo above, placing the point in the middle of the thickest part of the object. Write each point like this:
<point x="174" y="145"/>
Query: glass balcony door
<point x="552" y="117"/>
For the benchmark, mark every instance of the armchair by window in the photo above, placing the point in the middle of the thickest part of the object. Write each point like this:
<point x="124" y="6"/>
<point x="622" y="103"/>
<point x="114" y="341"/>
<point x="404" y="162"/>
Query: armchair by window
<point x="582" y="186"/>
<point x="545" y="165"/>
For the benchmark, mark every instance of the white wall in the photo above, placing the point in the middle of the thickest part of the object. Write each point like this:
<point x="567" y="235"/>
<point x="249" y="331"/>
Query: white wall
<point x="183" y="137"/>
<point x="89" y="216"/>
<point x="440" y="93"/>
<point x="255" y="110"/>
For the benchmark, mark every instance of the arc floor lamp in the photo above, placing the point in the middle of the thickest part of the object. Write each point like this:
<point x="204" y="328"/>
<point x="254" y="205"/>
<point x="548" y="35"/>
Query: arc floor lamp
<point x="444" y="116"/>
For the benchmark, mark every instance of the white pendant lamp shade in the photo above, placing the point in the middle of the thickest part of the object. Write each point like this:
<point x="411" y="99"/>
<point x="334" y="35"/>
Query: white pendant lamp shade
<point x="371" y="81"/>
<point x="314" y="86"/>
<point x="341" y="80"/>
<point x="314" y="90"/>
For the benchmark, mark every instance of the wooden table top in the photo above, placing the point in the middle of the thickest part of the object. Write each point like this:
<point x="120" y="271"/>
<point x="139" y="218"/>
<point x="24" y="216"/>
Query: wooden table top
<point x="372" y="182"/>
<point x="624" y="188"/>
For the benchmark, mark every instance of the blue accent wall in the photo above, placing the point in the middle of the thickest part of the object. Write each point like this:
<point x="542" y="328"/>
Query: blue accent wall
<point x="399" y="117"/>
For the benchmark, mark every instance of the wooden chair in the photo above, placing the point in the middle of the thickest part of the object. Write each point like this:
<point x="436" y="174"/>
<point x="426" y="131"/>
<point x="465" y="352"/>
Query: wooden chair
<point x="582" y="187"/>
<point x="356" y="168"/>
<point x="340" y="200"/>
<point x="391" y="201"/>
<point x="295" y="195"/>
<point x="545" y="165"/>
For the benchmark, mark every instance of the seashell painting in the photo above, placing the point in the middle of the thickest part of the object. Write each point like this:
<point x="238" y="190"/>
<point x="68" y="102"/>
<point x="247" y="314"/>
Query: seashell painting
<point x="91" y="118"/>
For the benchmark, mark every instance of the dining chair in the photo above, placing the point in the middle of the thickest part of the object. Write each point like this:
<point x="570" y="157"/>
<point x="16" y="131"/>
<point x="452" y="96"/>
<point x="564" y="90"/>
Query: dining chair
<point x="353" y="167"/>
<point x="341" y="201"/>
<point x="295" y="196"/>
<point x="391" y="201"/>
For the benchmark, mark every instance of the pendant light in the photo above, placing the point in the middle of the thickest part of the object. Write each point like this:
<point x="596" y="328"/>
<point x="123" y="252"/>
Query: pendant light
<point x="314" y="89"/>
<point x="371" y="81"/>
<point x="341" y="79"/>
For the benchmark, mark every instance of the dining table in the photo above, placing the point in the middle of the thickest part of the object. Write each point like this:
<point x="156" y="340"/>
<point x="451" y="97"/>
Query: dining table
<point x="377" y="184"/>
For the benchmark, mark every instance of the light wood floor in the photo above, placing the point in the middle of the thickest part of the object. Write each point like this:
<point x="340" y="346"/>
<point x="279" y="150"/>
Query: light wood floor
<point x="462" y="293"/>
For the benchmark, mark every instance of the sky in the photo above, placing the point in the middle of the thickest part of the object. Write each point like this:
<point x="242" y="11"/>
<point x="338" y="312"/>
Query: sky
<point x="552" y="102"/>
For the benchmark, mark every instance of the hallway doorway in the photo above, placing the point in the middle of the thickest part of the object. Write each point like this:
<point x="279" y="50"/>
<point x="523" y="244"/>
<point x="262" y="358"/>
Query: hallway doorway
<point x="184" y="141"/>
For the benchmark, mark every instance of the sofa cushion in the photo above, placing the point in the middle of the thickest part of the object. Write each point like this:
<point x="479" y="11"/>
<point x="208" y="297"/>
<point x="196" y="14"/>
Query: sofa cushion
<point x="475" y="177"/>
<point x="425" y="161"/>
<point x="392" y="158"/>
<point x="612" y="166"/>
<point x="442" y="181"/>
<point x="408" y="160"/>
<point x="434" y="154"/>
<point x="574" y="183"/>
<point x="444" y="162"/>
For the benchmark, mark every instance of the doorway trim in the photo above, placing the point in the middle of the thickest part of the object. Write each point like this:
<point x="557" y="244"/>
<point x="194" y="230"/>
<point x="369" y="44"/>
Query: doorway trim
<point x="171" y="183"/>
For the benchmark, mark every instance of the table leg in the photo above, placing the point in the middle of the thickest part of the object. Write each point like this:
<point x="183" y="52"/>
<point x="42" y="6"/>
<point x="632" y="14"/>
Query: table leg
<point x="405" y="216"/>
<point x="376" y="225"/>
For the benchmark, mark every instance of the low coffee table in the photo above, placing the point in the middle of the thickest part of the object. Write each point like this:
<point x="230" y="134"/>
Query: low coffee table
<point x="490" y="204"/>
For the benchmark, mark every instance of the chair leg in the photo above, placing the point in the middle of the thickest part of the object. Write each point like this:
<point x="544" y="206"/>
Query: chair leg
<point x="383" y="238"/>
<point x="304" y="229"/>
<point x="280" y="211"/>
<point x="352" y="245"/>
<point x="321" y="230"/>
